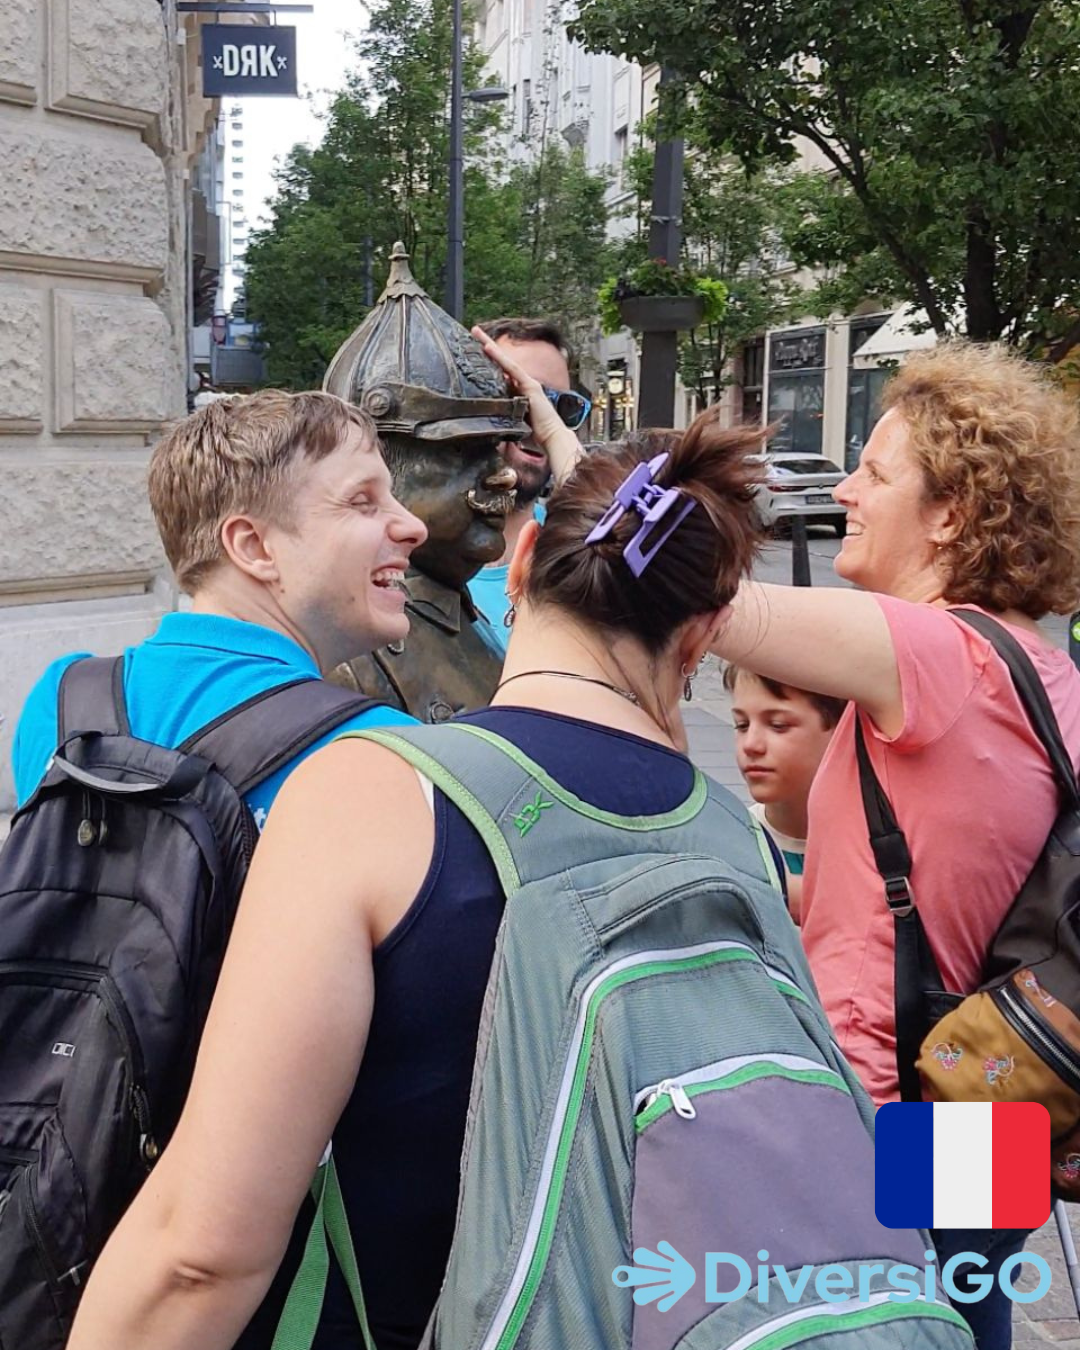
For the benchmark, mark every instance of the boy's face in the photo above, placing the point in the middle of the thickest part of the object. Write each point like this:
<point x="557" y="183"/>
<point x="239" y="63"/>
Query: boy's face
<point x="779" y="742"/>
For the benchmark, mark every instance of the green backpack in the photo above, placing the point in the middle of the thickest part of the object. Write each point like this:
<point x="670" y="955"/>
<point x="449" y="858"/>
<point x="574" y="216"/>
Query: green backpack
<point x="655" y="1080"/>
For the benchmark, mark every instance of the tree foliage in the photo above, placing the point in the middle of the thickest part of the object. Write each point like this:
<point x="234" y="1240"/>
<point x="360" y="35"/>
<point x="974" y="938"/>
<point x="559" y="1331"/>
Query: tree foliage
<point x="534" y="232"/>
<point x="951" y="173"/>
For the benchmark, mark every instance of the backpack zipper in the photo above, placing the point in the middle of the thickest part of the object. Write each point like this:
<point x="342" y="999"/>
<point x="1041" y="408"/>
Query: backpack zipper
<point x="46" y="973"/>
<point x="539" y="1232"/>
<point x="785" y="1330"/>
<point x="37" y="1234"/>
<point x="708" y="1074"/>
<point x="1039" y="1034"/>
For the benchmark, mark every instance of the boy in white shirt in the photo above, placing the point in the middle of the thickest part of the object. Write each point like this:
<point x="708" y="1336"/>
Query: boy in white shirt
<point x="781" y="735"/>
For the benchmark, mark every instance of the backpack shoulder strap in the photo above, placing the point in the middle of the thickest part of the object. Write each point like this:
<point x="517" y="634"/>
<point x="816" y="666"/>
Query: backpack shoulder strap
<point x="1032" y="695"/>
<point x="915" y="971"/>
<point x="91" y="698"/>
<point x="517" y="807"/>
<point x="253" y="740"/>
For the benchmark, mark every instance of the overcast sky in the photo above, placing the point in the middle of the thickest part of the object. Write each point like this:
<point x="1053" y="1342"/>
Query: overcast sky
<point x="272" y="126"/>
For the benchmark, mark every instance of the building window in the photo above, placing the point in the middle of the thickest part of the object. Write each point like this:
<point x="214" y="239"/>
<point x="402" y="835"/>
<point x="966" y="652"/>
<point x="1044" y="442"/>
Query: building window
<point x="526" y="106"/>
<point x="238" y="174"/>
<point x="753" y="381"/>
<point x="864" y="391"/>
<point x="238" y="159"/>
<point x="797" y="389"/>
<point x="622" y="140"/>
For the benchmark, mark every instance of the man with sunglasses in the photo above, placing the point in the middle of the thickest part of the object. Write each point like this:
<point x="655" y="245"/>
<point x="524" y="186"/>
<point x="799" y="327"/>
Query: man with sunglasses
<point x="538" y="348"/>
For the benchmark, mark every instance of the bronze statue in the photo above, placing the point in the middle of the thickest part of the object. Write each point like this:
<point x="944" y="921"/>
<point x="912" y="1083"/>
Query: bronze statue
<point x="442" y="408"/>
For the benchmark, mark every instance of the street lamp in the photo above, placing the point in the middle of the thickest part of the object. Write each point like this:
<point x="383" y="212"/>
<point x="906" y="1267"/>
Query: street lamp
<point x="454" y="299"/>
<point x="660" y="351"/>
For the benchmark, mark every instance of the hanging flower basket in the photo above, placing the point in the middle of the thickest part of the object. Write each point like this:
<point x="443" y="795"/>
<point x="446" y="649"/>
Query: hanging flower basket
<point x="655" y="297"/>
<point x="661" y="313"/>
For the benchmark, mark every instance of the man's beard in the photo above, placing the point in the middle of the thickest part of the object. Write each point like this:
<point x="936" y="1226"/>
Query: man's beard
<point x="532" y="476"/>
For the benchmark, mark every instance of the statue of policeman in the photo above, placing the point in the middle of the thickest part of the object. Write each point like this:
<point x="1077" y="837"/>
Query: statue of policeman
<point x="442" y="409"/>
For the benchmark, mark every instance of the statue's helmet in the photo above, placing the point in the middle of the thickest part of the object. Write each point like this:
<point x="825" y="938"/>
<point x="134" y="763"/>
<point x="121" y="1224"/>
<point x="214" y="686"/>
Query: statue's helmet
<point x="417" y="372"/>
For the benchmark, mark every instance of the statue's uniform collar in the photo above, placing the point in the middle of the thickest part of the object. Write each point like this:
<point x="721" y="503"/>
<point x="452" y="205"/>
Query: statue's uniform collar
<point x="440" y="605"/>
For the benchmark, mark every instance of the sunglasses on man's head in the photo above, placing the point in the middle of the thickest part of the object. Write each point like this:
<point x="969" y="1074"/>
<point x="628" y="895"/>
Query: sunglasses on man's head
<point x="572" y="408"/>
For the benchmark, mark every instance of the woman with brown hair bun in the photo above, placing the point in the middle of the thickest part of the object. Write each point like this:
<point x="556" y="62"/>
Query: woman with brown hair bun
<point x="351" y="996"/>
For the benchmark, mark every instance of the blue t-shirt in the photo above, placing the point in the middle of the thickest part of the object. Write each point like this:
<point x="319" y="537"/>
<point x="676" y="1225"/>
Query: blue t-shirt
<point x="195" y="668"/>
<point x="488" y="590"/>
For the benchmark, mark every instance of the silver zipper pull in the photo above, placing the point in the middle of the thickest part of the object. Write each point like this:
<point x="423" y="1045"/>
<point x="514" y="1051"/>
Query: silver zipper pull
<point x="680" y="1101"/>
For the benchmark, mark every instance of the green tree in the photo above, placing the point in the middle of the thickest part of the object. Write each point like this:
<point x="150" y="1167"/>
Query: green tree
<point x="534" y="237"/>
<point x="952" y="177"/>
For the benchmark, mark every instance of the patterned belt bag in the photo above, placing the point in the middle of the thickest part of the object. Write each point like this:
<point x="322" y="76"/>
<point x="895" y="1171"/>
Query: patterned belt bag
<point x="1018" y="1037"/>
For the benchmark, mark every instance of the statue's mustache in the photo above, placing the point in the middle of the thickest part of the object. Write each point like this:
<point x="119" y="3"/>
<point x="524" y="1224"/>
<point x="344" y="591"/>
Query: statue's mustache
<point x="491" y="504"/>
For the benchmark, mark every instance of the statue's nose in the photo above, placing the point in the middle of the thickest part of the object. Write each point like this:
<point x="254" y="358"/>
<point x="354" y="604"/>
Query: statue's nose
<point x="503" y="479"/>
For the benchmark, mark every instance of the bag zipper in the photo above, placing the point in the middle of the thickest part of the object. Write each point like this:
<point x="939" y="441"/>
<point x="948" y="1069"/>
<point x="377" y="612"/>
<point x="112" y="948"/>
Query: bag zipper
<point x="518" y="1297"/>
<point x="708" y="1074"/>
<point x="45" y="973"/>
<point x="785" y="1330"/>
<point x="1039" y="1034"/>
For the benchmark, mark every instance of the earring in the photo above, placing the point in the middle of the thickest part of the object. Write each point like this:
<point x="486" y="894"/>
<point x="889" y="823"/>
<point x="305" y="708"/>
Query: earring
<point x="688" y="682"/>
<point x="510" y="616"/>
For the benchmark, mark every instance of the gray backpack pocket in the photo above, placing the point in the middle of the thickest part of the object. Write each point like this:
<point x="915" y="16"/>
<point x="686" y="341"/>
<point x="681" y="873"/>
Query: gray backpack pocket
<point x="763" y="1162"/>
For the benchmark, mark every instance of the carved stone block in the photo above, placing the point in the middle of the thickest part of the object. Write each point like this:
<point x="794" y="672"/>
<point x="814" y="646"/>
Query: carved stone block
<point x="108" y="59"/>
<point x="22" y="353"/>
<point x="74" y="206"/>
<point x="76" y="524"/>
<point x="112" y="363"/>
<point x="20" y="51"/>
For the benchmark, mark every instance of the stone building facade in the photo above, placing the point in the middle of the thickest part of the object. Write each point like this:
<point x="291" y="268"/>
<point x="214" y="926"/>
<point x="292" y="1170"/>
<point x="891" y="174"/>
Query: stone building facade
<point x="101" y="119"/>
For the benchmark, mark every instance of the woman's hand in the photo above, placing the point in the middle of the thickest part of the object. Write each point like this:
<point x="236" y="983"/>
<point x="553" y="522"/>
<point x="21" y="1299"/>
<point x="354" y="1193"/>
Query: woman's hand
<point x="549" y="432"/>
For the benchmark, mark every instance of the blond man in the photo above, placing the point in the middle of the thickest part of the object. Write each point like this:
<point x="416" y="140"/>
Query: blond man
<point x="276" y="514"/>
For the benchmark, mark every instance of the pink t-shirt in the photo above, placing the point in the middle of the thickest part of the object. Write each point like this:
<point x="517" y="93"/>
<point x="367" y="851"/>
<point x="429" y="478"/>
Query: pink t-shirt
<point x="973" y="792"/>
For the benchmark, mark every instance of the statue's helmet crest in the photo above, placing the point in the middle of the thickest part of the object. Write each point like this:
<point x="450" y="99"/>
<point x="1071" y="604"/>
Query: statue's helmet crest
<point x="419" y="373"/>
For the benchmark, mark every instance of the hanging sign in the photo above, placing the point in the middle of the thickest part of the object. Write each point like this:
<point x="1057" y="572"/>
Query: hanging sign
<point x="242" y="60"/>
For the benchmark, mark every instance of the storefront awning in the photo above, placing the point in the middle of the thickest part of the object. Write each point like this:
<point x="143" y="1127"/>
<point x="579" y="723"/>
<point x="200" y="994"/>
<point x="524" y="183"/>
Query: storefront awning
<point x="895" y="338"/>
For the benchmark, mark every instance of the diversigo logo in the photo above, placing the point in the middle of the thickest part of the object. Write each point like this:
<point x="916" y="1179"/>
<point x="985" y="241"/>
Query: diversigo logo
<point x="665" y="1275"/>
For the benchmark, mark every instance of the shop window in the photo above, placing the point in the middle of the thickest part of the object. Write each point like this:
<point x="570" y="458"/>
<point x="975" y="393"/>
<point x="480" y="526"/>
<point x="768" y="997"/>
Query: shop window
<point x="864" y="391"/>
<point x="797" y="389"/>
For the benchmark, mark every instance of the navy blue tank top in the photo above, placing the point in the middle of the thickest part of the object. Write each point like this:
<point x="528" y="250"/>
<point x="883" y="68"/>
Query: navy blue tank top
<point x="398" y="1143"/>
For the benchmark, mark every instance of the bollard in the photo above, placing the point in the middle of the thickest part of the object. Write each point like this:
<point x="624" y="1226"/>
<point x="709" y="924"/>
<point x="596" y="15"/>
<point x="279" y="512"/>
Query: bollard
<point x="800" y="553"/>
<point x="1074" y="638"/>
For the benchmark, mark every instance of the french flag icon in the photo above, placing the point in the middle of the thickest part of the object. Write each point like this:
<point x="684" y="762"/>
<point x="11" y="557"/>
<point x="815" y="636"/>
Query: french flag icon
<point x="962" y="1165"/>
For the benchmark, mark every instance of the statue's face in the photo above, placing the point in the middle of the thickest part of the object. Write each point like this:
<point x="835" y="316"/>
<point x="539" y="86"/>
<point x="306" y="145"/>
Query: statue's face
<point x="463" y="492"/>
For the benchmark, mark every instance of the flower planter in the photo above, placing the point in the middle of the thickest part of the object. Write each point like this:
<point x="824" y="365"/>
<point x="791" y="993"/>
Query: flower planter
<point x="661" y="313"/>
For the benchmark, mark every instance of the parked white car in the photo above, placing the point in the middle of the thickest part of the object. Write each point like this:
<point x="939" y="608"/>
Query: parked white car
<point x="801" y="485"/>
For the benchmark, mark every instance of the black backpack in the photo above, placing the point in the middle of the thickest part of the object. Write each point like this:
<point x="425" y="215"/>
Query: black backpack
<point x="118" y="886"/>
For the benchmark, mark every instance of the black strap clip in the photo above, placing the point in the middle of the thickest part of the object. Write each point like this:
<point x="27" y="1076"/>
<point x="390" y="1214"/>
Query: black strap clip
<point x="898" y="897"/>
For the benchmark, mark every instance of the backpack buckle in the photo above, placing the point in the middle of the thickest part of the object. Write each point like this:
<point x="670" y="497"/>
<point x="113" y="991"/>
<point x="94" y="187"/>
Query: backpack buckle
<point x="898" y="897"/>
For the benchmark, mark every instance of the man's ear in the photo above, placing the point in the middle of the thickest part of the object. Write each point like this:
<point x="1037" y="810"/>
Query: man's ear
<point x="244" y="542"/>
<point x="521" y="562"/>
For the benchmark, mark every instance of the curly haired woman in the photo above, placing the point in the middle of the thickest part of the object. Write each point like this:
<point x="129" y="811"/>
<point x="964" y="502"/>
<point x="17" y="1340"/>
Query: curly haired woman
<point x="967" y="493"/>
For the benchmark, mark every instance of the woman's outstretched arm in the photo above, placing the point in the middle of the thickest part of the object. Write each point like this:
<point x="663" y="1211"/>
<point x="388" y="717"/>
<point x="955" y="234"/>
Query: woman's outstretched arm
<point x="826" y="639"/>
<point x="197" y="1250"/>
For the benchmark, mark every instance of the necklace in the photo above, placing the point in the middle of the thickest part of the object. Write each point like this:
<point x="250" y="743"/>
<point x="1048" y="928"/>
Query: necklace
<point x="627" y="694"/>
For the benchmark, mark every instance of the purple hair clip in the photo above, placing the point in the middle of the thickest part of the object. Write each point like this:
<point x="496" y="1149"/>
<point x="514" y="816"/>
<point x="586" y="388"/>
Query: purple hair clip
<point x="653" y="503"/>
